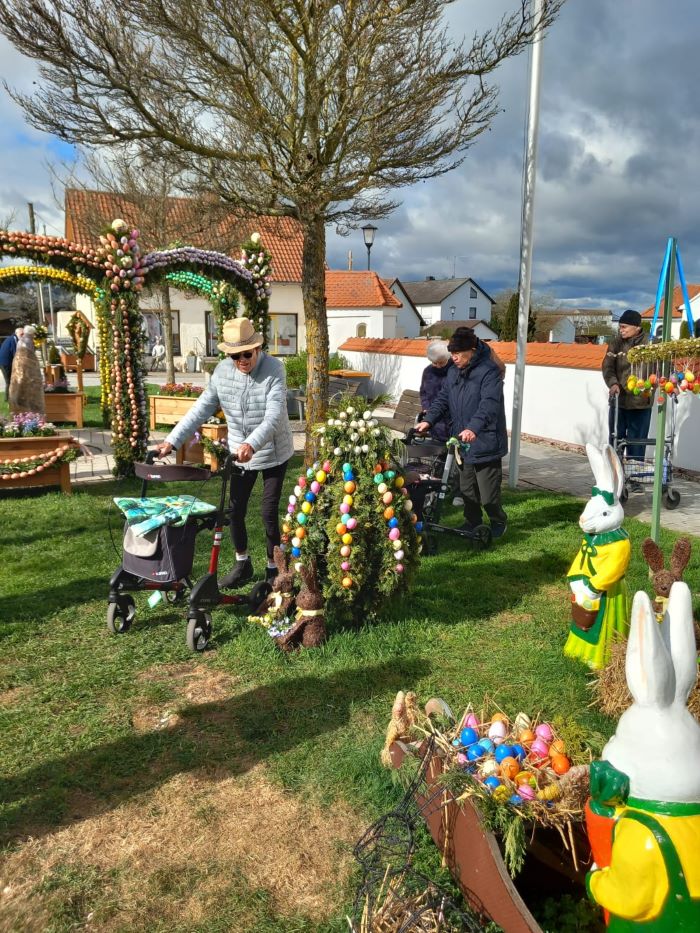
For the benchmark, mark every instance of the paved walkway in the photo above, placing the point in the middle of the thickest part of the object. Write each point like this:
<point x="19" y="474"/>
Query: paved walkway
<point x="541" y="466"/>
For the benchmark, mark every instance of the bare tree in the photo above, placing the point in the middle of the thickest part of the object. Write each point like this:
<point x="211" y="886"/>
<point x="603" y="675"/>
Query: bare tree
<point x="144" y="190"/>
<point x="312" y="109"/>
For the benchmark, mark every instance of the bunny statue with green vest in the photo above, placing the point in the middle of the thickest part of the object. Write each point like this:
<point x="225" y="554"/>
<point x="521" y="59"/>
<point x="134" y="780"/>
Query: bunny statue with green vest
<point x="599" y="594"/>
<point x="646" y="873"/>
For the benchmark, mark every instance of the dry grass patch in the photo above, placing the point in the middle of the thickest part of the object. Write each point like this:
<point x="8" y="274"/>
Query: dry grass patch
<point x="125" y="868"/>
<point x="193" y="685"/>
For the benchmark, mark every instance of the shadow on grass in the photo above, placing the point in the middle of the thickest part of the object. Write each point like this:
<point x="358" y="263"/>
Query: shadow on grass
<point x="40" y="605"/>
<point x="230" y="736"/>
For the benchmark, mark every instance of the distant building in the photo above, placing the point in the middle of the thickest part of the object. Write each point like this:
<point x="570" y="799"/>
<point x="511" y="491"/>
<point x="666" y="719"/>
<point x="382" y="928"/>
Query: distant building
<point x="359" y="304"/>
<point x="677" y="312"/>
<point x="450" y="300"/>
<point x="445" y="329"/>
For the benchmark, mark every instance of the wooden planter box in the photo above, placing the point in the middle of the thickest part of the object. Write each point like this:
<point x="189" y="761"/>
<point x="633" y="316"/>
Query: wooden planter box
<point x="65" y="407"/>
<point x="473" y="856"/>
<point x="193" y="452"/>
<point x="58" y="475"/>
<point x="70" y="361"/>
<point x="168" y="409"/>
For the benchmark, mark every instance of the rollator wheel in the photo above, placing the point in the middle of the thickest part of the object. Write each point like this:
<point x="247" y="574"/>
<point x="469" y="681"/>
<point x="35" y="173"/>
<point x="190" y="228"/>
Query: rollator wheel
<point x="120" y="615"/>
<point x="482" y="537"/>
<point x="173" y="597"/>
<point x="672" y="499"/>
<point x="259" y="592"/>
<point x="198" y="630"/>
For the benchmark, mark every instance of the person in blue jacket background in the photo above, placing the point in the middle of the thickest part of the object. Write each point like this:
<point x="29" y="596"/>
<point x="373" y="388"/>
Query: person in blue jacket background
<point x="472" y="401"/>
<point x="8" y="348"/>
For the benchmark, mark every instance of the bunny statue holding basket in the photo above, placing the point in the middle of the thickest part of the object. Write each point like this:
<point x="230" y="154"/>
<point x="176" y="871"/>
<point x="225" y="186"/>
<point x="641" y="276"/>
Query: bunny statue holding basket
<point x="647" y="874"/>
<point x="599" y="594"/>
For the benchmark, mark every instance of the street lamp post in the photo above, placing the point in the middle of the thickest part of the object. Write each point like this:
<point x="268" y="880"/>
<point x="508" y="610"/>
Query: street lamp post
<point x="368" y="232"/>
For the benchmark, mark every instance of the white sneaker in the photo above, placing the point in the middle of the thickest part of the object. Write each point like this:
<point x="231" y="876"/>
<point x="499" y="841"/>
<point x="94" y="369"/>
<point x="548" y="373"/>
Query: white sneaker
<point x="458" y="500"/>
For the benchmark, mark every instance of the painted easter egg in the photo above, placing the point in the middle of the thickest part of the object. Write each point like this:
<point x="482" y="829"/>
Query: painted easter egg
<point x="399" y="568"/>
<point x="504" y="751"/>
<point x="497" y="730"/>
<point x="544" y="732"/>
<point x="389" y="514"/>
<point x="526" y="791"/>
<point x="492" y="782"/>
<point x="560" y="764"/>
<point x="557" y="747"/>
<point x="501" y="794"/>
<point x="522" y="721"/>
<point x="527" y="737"/>
<point x="539" y="748"/>
<point x="394" y="534"/>
<point x="352" y="523"/>
<point x="345" y="550"/>
<point x="526" y="777"/>
<point x="387" y="498"/>
<point x="471" y="720"/>
<point x="349" y="487"/>
<point x="488" y="766"/>
<point x="347" y="582"/>
<point x="487" y="744"/>
<point x="340" y="528"/>
<point x="509" y="768"/>
<point x="306" y="507"/>
<point x="474" y="752"/>
<point x="468" y="736"/>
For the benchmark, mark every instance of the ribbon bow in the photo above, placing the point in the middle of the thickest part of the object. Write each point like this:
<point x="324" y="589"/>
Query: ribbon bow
<point x="608" y="496"/>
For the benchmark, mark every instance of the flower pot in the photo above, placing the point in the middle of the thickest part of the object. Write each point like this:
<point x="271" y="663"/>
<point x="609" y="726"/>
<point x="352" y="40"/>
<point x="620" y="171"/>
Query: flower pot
<point x="57" y="475"/>
<point x="168" y="409"/>
<point x="64" y="407"/>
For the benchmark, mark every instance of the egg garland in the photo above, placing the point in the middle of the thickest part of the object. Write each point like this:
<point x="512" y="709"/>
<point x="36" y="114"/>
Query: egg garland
<point x="671" y="368"/>
<point x="20" y="467"/>
<point x="384" y="479"/>
<point x="301" y="505"/>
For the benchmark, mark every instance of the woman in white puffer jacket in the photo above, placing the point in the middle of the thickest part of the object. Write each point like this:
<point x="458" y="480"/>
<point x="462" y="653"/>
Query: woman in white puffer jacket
<point x="250" y="387"/>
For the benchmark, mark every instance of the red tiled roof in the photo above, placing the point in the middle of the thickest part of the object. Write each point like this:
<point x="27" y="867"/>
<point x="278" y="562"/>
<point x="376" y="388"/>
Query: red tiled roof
<point x="560" y="355"/>
<point x="358" y="290"/>
<point x="677" y="302"/>
<point x="185" y="219"/>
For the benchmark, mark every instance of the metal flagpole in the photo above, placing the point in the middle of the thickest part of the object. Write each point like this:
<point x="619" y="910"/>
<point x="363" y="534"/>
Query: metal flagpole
<point x="533" y="121"/>
<point x="661" y="416"/>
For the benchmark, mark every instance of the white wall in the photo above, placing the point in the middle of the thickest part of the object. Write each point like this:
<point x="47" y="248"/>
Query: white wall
<point x="343" y="323"/>
<point x="569" y="405"/>
<point x="407" y="322"/>
<point x="563" y="331"/>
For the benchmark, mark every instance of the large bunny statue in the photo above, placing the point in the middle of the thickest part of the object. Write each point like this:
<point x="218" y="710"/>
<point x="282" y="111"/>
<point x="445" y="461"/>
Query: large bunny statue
<point x="599" y="594"/>
<point x="652" y="881"/>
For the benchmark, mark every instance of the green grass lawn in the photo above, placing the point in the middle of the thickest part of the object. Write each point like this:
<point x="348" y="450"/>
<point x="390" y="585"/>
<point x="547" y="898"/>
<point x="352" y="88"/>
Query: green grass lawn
<point x="129" y="768"/>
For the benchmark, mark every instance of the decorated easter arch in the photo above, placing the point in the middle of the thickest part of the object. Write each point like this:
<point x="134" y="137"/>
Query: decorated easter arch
<point x="112" y="275"/>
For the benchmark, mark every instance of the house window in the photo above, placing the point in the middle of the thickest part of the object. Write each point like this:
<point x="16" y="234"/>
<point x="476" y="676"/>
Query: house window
<point x="283" y="334"/>
<point x="472" y="313"/>
<point x="152" y="326"/>
<point x="473" y="293"/>
<point x="212" y="332"/>
<point x="361" y="330"/>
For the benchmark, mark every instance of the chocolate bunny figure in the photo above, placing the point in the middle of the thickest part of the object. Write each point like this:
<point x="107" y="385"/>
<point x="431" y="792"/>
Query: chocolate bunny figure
<point x="309" y="629"/>
<point x="662" y="580"/>
<point x="280" y="601"/>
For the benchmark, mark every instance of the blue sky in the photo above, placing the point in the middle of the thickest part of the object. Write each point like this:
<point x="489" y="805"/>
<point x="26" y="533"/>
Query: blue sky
<point x="620" y="124"/>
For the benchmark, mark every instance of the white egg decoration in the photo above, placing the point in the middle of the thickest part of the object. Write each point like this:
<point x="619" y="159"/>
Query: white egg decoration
<point x="497" y="732"/>
<point x="342" y="415"/>
<point x="367" y="415"/>
<point x="337" y="451"/>
<point x="365" y="449"/>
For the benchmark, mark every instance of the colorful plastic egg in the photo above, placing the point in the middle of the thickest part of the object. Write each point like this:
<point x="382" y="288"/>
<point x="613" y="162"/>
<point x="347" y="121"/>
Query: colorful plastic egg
<point x="515" y="799"/>
<point x="326" y="466"/>
<point x="298" y="489"/>
<point x="306" y="507"/>
<point x="347" y="467"/>
<point x="471" y="720"/>
<point x="509" y="768"/>
<point x="344" y="519"/>
<point x="344" y="508"/>
<point x="340" y="528"/>
<point x="397" y="545"/>
<point x="389" y="514"/>
<point x="388" y="498"/>
<point x="352" y="523"/>
<point x="296" y="552"/>
<point x="345" y="550"/>
<point x="347" y="582"/>
<point x="499" y="717"/>
<point x="527" y="737"/>
<point x="301" y="518"/>
<point x="557" y="747"/>
<point x="348" y="499"/>
<point x="399" y="568"/>
<point x="519" y="752"/>
<point x="378" y="477"/>
<point x="503" y="751"/>
<point x="468" y="736"/>
<point x="310" y="497"/>
<point x="487" y="744"/>
<point x="474" y="752"/>
<point x="488" y="766"/>
<point x="497" y="731"/>
<point x="526" y="777"/>
<point x="399" y="555"/>
<point x="399" y="482"/>
<point x="501" y="794"/>
<point x="349" y="486"/>
<point x="302" y="479"/>
<point x="560" y="764"/>
<point x="540" y="748"/>
<point x="347" y="538"/>
<point x="408" y="505"/>
<point x="292" y="500"/>
<point x="492" y="782"/>
<point x="526" y="792"/>
<point x="393" y="522"/>
<point x="286" y="527"/>
<point x="345" y="565"/>
<point x="296" y="542"/>
<point x="315" y="487"/>
<point x="382" y="488"/>
<point x="462" y="759"/>
<point x="321" y="476"/>
<point x="394" y="533"/>
<point x="522" y="721"/>
<point x="544" y="732"/>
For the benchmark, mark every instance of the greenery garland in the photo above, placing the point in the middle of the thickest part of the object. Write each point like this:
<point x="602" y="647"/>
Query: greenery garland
<point x="687" y="349"/>
<point x="15" y="468"/>
<point x="338" y="518"/>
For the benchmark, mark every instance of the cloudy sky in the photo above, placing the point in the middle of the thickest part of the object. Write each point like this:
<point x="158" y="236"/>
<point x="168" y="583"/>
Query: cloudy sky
<point x="619" y="124"/>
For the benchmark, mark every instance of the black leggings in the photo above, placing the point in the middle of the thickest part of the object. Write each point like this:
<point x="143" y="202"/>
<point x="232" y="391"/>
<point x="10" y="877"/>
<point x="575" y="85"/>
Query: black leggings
<point x="241" y="488"/>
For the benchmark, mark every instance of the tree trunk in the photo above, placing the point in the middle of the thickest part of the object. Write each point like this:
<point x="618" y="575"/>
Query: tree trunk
<point x="166" y="319"/>
<point x="313" y="288"/>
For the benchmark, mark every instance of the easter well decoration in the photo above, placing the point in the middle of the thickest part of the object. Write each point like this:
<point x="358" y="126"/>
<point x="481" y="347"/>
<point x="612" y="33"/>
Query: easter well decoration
<point x="599" y="594"/>
<point x="112" y="274"/>
<point x="644" y="813"/>
<point x="672" y="368"/>
<point x="350" y="515"/>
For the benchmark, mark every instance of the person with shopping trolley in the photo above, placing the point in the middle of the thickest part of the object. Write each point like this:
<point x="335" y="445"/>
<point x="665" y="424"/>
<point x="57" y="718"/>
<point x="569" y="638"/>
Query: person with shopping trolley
<point x="633" y="412"/>
<point x="250" y="387"/>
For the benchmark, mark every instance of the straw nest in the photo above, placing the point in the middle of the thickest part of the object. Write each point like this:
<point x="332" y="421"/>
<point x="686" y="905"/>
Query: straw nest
<point x="611" y="693"/>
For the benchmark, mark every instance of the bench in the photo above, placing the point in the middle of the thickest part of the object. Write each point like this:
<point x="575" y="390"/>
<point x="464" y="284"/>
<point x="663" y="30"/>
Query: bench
<point x="336" y="388"/>
<point x="404" y="417"/>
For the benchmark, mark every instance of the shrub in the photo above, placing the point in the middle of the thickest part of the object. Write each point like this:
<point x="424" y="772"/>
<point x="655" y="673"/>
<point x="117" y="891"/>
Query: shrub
<point x="295" y="367"/>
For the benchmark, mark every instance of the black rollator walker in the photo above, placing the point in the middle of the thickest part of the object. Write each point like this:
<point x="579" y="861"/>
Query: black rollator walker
<point x="639" y="470"/>
<point x="163" y="561"/>
<point x="433" y="463"/>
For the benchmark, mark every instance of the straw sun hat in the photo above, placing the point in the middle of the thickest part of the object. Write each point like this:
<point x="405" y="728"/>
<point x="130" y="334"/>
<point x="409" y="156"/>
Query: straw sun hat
<point x="239" y="335"/>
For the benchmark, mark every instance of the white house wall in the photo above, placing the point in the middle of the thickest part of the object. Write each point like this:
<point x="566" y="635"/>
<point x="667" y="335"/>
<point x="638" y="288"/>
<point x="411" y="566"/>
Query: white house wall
<point x="462" y="301"/>
<point x="569" y="405"/>
<point x="344" y="322"/>
<point x="407" y="322"/>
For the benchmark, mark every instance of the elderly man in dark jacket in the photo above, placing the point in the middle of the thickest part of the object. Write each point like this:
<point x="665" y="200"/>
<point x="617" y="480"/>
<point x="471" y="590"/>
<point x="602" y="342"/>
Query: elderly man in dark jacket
<point x="472" y="398"/>
<point x="634" y="412"/>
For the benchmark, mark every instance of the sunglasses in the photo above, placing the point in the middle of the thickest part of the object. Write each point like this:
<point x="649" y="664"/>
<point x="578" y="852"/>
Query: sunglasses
<point x="248" y="355"/>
